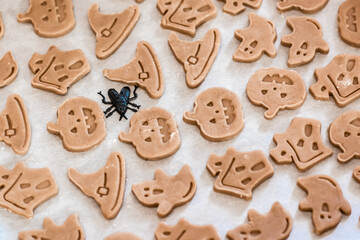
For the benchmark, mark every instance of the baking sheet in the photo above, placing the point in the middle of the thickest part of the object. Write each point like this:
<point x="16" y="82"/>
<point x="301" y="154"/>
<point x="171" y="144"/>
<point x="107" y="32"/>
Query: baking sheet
<point x="225" y="212"/>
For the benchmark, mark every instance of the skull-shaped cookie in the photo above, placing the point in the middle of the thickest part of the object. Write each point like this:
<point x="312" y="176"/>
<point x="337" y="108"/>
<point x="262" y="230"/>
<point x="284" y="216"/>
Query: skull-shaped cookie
<point x="154" y="134"/>
<point x="301" y="144"/>
<point x="305" y="40"/>
<point x="239" y="172"/>
<point x="122" y="236"/>
<point x="185" y="16"/>
<point x="276" y="224"/>
<point x="22" y="189"/>
<point x="69" y="230"/>
<point x="50" y="18"/>
<point x="235" y="7"/>
<point x="257" y="39"/>
<point x="111" y="30"/>
<point x="166" y="192"/>
<point x="106" y="186"/>
<point x="344" y="133"/>
<point x="349" y="22"/>
<point x="15" y="128"/>
<point x="340" y="78"/>
<point x="306" y="6"/>
<point x="143" y="70"/>
<point x="8" y="69"/>
<point x="185" y="230"/>
<point x="80" y="124"/>
<point x="325" y="200"/>
<point x="218" y="114"/>
<point x="276" y="89"/>
<point x="2" y="27"/>
<point x="57" y="70"/>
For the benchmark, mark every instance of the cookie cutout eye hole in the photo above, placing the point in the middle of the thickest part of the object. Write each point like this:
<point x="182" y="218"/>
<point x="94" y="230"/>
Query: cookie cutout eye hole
<point x="257" y="167"/>
<point x="255" y="233"/>
<point x="304" y="46"/>
<point x="190" y="20"/>
<point x="5" y="177"/>
<point x="300" y="143"/>
<point x="167" y="233"/>
<point x="356" y="122"/>
<point x="323" y="89"/>
<point x="218" y="164"/>
<point x="45" y="19"/>
<point x="347" y="134"/>
<point x="43" y="185"/>
<point x="146" y="123"/>
<point x="325" y="207"/>
<point x="28" y="199"/>
<point x="204" y="8"/>
<point x="148" y="139"/>
<point x="74" y="130"/>
<point x="350" y="65"/>
<point x="246" y="181"/>
<point x="283" y="95"/>
<point x="76" y="65"/>
<point x="283" y="153"/>
<point x="229" y="112"/>
<point x="235" y="4"/>
<point x="239" y="168"/>
<point x="44" y="3"/>
<point x="24" y="185"/>
<point x="315" y="146"/>
<point x="264" y="92"/>
<point x="210" y="104"/>
<point x="187" y="9"/>
<point x="308" y="130"/>
<point x="58" y="67"/>
<point x="254" y="43"/>
<point x="213" y="121"/>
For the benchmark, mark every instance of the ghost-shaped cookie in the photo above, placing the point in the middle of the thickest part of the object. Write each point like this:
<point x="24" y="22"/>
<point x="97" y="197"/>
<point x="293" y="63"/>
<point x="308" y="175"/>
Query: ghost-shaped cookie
<point x="185" y="230"/>
<point x="111" y="29"/>
<point x="257" y="39"/>
<point x="166" y="192"/>
<point x="276" y="224"/>
<point x="344" y="133"/>
<point x="50" y="18"/>
<point x="325" y="200"/>
<point x="8" y="69"/>
<point x="340" y="79"/>
<point x="122" y="236"/>
<point x="349" y="22"/>
<point x="218" y="114"/>
<point x="185" y="16"/>
<point x="305" y="40"/>
<point x="154" y="134"/>
<point x="80" y="124"/>
<point x="306" y="6"/>
<point x="235" y="7"/>
<point x="276" y="89"/>
<point x="143" y="70"/>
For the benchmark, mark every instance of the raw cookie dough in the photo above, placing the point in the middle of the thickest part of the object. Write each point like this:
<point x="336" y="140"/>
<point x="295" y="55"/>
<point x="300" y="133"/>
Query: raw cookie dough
<point x="235" y="7"/>
<point x="8" y="69"/>
<point x="306" y="6"/>
<point x="348" y="22"/>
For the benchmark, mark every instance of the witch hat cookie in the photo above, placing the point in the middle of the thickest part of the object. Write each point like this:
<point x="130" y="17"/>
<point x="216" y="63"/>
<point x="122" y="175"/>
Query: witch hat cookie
<point x="197" y="57"/>
<point x="111" y="29"/>
<point x="106" y="186"/>
<point x="143" y="70"/>
<point x="8" y="69"/>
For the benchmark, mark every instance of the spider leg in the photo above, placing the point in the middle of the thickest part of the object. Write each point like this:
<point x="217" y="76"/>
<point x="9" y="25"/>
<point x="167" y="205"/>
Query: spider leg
<point x="134" y="105"/>
<point x="135" y="94"/>
<point x="108" y="110"/>
<point x="103" y="98"/>
<point x="132" y="109"/>
<point x="111" y="113"/>
<point x="123" y="116"/>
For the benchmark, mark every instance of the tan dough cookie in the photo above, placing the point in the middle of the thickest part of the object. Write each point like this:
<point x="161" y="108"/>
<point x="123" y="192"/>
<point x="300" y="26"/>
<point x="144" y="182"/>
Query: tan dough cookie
<point x="111" y="29"/>
<point x="185" y="230"/>
<point x="50" y="18"/>
<point x="166" y="192"/>
<point x="301" y="144"/>
<point x="106" y="186"/>
<point x="122" y="236"/>
<point x="185" y="16"/>
<point x="348" y="22"/>
<point x="276" y="89"/>
<point x="69" y="230"/>
<point x="344" y="133"/>
<point x="22" y="189"/>
<point x="143" y="70"/>
<point x="305" y="40"/>
<point x="197" y="57"/>
<point x="80" y="124"/>
<point x="235" y="7"/>
<point x="8" y="69"/>
<point x="2" y="27"/>
<point x="306" y="6"/>
<point x="325" y="200"/>
<point x="257" y="39"/>
<point x="276" y="224"/>
<point x="340" y="78"/>
<point x="239" y="173"/>
<point x="55" y="71"/>
<point x="218" y="114"/>
<point x="154" y="134"/>
<point x="356" y="174"/>
<point x="15" y="128"/>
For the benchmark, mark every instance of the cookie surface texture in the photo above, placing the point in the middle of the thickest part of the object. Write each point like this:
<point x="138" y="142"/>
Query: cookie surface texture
<point x="185" y="230"/>
<point x="8" y="69"/>
<point x="301" y="144"/>
<point x="197" y="57"/>
<point x="235" y="7"/>
<point x="2" y="27"/>
<point x="306" y="6"/>
<point x="257" y="39"/>
<point x="348" y="22"/>
<point x="69" y="230"/>
<point x="356" y="174"/>
<point x="305" y="40"/>
<point x="50" y="18"/>
<point x="185" y="16"/>
<point x="325" y="200"/>
<point x="15" y="128"/>
<point x="106" y="186"/>
<point x="340" y="78"/>
<point x="239" y="173"/>
<point x="80" y="124"/>
<point x="56" y="70"/>
<point x="154" y="134"/>
<point x="276" y="89"/>
<point x="276" y="224"/>
<point x="122" y="236"/>
<point x="217" y="112"/>
<point x="23" y="189"/>
<point x="111" y="30"/>
<point x="143" y="70"/>
<point x="166" y="192"/>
